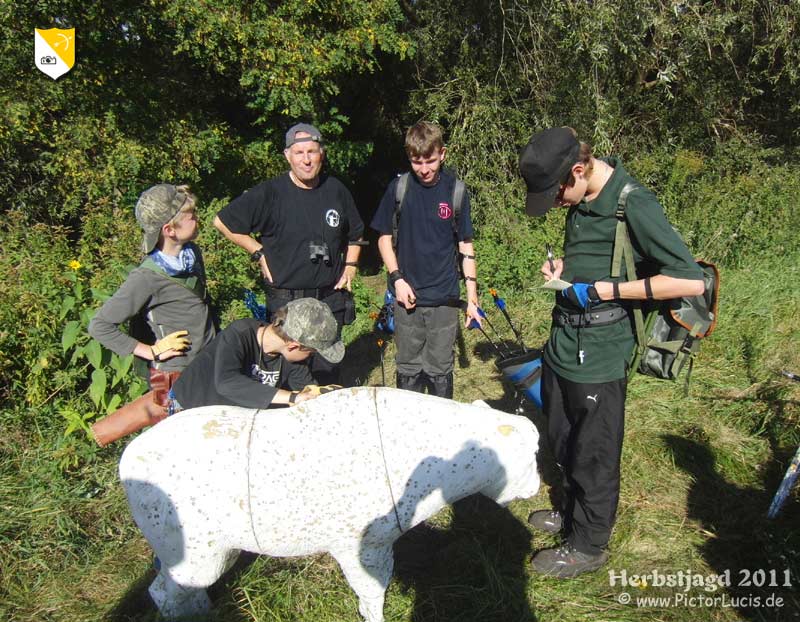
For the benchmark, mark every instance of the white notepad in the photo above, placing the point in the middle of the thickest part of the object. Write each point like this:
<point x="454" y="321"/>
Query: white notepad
<point x="557" y="284"/>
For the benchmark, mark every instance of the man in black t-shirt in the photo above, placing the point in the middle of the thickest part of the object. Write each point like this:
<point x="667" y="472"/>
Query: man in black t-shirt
<point x="259" y="366"/>
<point x="307" y="228"/>
<point x="423" y="269"/>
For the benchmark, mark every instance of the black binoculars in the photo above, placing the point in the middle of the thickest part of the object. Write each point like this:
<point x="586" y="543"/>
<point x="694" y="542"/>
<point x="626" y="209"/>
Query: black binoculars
<point x="317" y="251"/>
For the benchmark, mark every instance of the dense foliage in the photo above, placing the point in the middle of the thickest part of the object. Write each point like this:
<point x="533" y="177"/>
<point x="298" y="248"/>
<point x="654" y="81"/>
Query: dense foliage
<point x="699" y="99"/>
<point x="162" y="91"/>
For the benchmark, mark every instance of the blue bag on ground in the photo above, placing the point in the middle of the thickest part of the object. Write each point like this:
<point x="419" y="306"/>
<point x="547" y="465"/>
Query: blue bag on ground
<point x="524" y="371"/>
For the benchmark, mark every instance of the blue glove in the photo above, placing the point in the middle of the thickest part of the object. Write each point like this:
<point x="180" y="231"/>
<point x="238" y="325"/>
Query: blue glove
<point x="582" y="295"/>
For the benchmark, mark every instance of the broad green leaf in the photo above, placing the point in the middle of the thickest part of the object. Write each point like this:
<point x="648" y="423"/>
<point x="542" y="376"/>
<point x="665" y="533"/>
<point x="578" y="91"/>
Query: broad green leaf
<point x="66" y="306"/>
<point x="121" y="366"/>
<point x="136" y="388"/>
<point x="94" y="352"/>
<point x="100" y="295"/>
<point x="70" y="334"/>
<point x="77" y="355"/>
<point x="113" y="403"/>
<point x="98" y="387"/>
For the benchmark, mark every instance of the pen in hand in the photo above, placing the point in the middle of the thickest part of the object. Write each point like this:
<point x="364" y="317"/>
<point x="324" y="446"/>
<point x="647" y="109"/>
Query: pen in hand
<point x="550" y="258"/>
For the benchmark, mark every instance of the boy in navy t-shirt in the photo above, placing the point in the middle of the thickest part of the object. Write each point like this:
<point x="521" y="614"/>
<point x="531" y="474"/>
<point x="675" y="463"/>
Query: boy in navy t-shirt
<point x="423" y="266"/>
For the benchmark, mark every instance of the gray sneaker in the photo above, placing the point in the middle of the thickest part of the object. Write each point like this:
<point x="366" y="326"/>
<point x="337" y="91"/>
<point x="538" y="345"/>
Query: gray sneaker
<point x="546" y="520"/>
<point x="565" y="562"/>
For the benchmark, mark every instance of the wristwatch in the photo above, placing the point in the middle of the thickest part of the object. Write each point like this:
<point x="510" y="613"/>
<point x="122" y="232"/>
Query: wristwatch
<point x="257" y="255"/>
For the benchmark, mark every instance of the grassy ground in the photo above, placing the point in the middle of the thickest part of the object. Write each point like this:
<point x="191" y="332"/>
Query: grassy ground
<point x="698" y="475"/>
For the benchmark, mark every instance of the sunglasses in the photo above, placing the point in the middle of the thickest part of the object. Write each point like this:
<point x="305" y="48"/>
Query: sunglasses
<point x="563" y="187"/>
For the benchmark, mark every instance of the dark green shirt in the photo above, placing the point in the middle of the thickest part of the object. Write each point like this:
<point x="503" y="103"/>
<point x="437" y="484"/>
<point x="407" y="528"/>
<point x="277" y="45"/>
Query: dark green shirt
<point x="588" y="253"/>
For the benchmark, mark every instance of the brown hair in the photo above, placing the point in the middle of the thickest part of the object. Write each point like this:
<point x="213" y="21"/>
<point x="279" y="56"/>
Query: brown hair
<point x="189" y="203"/>
<point x="585" y="157"/>
<point x="278" y="319"/>
<point x="423" y="139"/>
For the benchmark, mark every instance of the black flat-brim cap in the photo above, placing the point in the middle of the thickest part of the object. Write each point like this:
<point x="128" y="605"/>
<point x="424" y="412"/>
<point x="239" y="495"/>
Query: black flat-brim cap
<point x="544" y="163"/>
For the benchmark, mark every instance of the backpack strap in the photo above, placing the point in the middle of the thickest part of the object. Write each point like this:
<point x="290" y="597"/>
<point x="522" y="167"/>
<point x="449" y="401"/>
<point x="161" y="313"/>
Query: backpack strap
<point x="399" y="195"/>
<point x="457" y="201"/>
<point x="688" y="347"/>
<point x="623" y="251"/>
<point x="622" y="243"/>
<point x="194" y="282"/>
<point x="459" y="190"/>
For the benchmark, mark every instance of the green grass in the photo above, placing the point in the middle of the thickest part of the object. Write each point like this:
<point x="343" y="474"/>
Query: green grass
<point x="698" y="475"/>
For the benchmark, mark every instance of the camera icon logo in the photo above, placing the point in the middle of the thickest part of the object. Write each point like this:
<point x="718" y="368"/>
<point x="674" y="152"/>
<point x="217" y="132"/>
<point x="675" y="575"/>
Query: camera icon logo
<point x="54" y="51"/>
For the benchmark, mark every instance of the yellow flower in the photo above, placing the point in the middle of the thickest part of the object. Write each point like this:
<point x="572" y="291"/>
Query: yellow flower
<point x="75" y="264"/>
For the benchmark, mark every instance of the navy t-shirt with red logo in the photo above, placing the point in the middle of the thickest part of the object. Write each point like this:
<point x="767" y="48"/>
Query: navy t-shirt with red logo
<point x="426" y="243"/>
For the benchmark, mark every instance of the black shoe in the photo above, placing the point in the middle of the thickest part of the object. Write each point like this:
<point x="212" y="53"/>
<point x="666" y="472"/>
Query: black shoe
<point x="442" y="386"/>
<point x="565" y="562"/>
<point x="549" y="521"/>
<point x="414" y="383"/>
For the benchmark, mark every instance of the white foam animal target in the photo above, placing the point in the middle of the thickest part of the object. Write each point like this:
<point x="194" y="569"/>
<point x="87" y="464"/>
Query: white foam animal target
<point x="346" y="473"/>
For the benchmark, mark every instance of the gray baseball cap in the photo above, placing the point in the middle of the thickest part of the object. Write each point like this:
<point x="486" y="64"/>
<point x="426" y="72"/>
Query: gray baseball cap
<point x="311" y="323"/>
<point x="155" y="208"/>
<point x="313" y="134"/>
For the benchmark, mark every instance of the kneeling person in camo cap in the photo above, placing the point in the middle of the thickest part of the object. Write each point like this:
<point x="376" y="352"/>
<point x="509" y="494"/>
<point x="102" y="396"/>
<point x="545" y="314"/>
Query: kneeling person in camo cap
<point x="259" y="365"/>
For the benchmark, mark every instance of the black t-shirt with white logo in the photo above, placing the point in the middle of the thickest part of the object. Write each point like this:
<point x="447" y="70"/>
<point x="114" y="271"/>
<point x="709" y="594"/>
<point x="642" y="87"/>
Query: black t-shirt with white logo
<point x="232" y="370"/>
<point x="288" y="218"/>
<point x="426" y="244"/>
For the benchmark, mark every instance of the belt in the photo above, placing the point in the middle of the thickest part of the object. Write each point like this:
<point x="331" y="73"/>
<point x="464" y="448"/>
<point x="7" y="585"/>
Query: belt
<point x="315" y="292"/>
<point x="589" y="318"/>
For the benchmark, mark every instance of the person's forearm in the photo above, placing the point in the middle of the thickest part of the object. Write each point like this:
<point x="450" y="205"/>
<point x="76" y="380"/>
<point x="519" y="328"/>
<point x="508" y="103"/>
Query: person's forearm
<point x="111" y="337"/>
<point x="387" y="253"/>
<point x="353" y="253"/>
<point x="663" y="288"/>
<point x="144" y="351"/>
<point x="282" y="396"/>
<point x="242" y="240"/>
<point x="472" y="292"/>
<point x="470" y="269"/>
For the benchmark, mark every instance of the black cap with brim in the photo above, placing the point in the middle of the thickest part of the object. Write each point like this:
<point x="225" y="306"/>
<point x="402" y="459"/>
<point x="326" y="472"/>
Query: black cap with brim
<point x="538" y="203"/>
<point x="544" y="164"/>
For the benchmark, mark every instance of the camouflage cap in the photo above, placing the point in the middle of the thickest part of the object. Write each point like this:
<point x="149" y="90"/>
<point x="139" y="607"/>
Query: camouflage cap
<point x="311" y="323"/>
<point x="313" y="134"/>
<point x="155" y="208"/>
